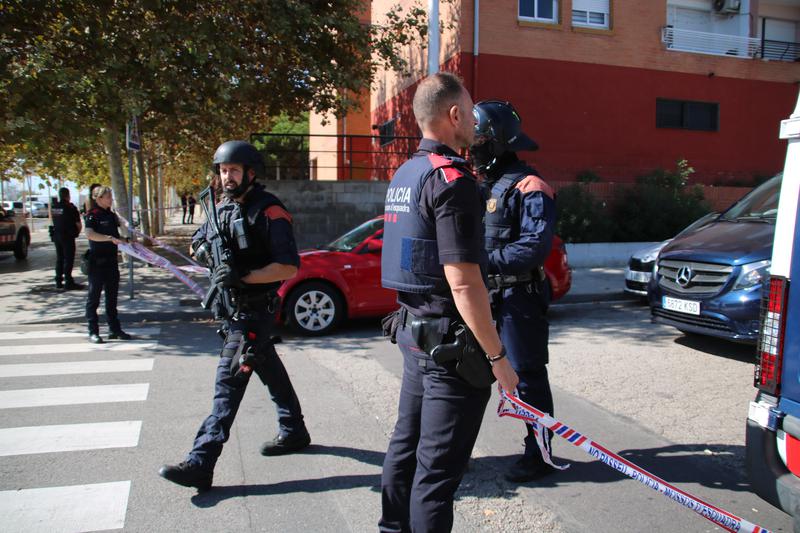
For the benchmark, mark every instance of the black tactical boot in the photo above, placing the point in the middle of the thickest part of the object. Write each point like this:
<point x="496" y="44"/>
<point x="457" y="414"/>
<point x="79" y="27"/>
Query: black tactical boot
<point x="283" y="444"/>
<point x="188" y="475"/>
<point x="72" y="286"/>
<point x="121" y="335"/>
<point x="527" y="469"/>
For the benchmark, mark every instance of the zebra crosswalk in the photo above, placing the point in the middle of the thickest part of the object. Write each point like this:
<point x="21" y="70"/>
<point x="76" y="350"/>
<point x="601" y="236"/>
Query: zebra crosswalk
<point x="31" y="362"/>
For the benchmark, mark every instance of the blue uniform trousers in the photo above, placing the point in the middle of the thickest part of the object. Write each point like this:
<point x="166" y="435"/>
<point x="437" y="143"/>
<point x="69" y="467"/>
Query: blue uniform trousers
<point x="524" y="331"/>
<point x="438" y="420"/>
<point x="103" y="277"/>
<point x="229" y="390"/>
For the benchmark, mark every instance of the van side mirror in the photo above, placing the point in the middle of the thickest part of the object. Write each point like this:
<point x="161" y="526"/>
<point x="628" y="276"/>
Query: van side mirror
<point x="374" y="246"/>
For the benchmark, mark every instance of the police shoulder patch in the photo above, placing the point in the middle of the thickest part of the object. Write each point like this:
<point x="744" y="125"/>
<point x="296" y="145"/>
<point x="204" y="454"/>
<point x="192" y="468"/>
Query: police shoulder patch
<point x="531" y="184"/>
<point x="275" y="212"/>
<point x="439" y="161"/>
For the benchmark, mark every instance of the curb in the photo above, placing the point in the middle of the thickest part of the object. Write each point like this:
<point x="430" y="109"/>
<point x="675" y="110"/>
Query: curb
<point x="597" y="298"/>
<point x="148" y="316"/>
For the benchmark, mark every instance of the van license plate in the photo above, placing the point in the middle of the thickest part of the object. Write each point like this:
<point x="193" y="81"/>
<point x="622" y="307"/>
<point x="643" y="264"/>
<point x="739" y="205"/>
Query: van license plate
<point x="682" y="306"/>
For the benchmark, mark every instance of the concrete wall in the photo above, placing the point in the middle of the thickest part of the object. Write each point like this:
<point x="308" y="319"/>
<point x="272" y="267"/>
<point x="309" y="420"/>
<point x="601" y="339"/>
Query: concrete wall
<point x="323" y="210"/>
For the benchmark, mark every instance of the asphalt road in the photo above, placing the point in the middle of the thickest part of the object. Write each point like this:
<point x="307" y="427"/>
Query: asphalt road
<point x="672" y="404"/>
<point x="83" y="430"/>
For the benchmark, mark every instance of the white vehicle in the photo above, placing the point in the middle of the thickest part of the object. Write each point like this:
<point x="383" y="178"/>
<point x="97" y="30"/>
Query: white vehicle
<point x="772" y="441"/>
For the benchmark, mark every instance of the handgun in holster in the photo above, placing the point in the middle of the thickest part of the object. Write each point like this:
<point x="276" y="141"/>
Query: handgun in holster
<point x="471" y="362"/>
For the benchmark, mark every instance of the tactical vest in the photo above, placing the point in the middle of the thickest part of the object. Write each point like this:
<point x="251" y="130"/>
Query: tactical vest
<point x="410" y="257"/>
<point x="246" y="229"/>
<point x="502" y="224"/>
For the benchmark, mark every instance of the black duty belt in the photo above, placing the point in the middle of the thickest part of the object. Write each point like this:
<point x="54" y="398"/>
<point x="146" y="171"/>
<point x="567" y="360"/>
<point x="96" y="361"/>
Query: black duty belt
<point x="499" y="281"/>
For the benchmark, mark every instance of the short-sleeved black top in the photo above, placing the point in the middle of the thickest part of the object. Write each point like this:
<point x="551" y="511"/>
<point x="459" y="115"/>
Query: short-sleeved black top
<point x="103" y="221"/>
<point x="457" y="208"/>
<point x="65" y="220"/>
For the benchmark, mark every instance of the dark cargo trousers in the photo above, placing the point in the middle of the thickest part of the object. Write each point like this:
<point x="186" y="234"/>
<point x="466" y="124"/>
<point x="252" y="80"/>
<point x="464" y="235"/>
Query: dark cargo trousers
<point x="438" y="420"/>
<point x="229" y="390"/>
<point x="65" y="259"/>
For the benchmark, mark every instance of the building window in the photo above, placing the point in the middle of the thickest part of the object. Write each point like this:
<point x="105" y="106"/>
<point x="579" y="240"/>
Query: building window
<point x="682" y="114"/>
<point x="539" y="10"/>
<point x="591" y="13"/>
<point x="386" y="131"/>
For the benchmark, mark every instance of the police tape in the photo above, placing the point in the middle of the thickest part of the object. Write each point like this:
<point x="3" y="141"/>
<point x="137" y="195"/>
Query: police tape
<point x="522" y="411"/>
<point x="193" y="266"/>
<point x="135" y="249"/>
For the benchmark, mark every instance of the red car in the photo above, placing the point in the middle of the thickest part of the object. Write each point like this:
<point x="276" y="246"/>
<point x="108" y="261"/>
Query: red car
<point x="343" y="280"/>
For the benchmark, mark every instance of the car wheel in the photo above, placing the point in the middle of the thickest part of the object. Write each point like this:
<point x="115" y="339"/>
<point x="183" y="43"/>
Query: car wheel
<point x="21" y="246"/>
<point x="314" y="308"/>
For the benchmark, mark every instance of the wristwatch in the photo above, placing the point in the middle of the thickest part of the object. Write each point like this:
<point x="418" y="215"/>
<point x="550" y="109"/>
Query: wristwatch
<point x="494" y="358"/>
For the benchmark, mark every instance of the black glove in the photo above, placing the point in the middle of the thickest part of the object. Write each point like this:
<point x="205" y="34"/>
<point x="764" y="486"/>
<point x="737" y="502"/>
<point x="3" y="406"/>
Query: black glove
<point x="226" y="276"/>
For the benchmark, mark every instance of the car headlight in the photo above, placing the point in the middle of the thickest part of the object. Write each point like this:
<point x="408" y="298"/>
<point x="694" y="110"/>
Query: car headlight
<point x="753" y="274"/>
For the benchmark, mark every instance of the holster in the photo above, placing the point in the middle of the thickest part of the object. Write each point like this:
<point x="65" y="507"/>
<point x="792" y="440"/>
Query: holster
<point x="448" y="341"/>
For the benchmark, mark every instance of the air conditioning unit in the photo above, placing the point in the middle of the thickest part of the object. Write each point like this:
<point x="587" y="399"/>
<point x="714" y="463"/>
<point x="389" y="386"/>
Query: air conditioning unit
<point x="726" y="6"/>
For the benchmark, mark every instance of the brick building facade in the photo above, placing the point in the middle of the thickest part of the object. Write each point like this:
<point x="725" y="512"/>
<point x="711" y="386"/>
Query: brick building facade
<point x="616" y="87"/>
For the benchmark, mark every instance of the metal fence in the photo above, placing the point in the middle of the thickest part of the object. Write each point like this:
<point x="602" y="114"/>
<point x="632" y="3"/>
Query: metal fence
<point x="297" y="156"/>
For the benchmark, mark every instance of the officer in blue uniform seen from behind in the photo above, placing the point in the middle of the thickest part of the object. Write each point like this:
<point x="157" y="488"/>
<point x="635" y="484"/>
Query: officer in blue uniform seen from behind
<point x="102" y="230"/>
<point x="66" y="228"/>
<point x="432" y="255"/>
<point x="520" y="217"/>
<point x="257" y="233"/>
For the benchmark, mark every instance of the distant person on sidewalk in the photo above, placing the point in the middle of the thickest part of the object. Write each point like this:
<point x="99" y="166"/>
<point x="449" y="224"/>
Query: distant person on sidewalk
<point x="102" y="230"/>
<point x="519" y="222"/>
<point x="192" y="202"/>
<point x="184" y="205"/>
<point x="66" y="228"/>
<point x="258" y="233"/>
<point x="89" y="203"/>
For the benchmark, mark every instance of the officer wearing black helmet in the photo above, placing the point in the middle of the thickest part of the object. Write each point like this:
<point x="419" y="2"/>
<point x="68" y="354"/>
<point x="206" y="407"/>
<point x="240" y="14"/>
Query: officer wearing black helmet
<point x="257" y="231"/>
<point x="520" y="218"/>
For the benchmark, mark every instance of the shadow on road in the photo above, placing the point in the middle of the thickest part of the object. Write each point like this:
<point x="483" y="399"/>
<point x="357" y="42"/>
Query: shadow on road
<point x="705" y="464"/>
<point x="219" y="494"/>
<point x="745" y="353"/>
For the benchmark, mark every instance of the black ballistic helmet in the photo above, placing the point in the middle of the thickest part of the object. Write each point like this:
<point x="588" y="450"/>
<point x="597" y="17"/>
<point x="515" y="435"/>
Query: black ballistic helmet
<point x="242" y="153"/>
<point x="498" y="129"/>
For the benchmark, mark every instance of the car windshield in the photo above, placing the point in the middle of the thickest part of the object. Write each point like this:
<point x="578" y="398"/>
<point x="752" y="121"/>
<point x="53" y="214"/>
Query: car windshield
<point x="355" y="236"/>
<point x="759" y="204"/>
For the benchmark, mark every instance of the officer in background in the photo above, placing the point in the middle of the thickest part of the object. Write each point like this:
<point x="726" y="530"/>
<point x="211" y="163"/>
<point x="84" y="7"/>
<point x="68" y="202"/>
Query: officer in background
<point x="102" y="230"/>
<point x="432" y="255"/>
<point x="66" y="228"/>
<point x="520" y="218"/>
<point x="257" y="232"/>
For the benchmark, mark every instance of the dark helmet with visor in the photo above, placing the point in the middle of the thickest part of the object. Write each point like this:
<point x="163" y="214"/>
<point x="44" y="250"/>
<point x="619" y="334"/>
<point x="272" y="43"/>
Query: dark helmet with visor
<point x="242" y="153"/>
<point x="498" y="129"/>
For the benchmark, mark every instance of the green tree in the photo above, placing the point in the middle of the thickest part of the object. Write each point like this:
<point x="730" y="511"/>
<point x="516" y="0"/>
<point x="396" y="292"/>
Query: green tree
<point x="72" y="73"/>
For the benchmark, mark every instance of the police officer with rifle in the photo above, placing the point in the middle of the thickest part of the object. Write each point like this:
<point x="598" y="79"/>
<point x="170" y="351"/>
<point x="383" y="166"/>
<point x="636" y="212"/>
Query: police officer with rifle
<point x="520" y="219"/>
<point x="249" y="246"/>
<point x="432" y="255"/>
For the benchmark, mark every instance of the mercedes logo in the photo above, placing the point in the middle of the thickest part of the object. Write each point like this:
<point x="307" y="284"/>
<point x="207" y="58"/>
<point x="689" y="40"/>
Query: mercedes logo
<point x="685" y="276"/>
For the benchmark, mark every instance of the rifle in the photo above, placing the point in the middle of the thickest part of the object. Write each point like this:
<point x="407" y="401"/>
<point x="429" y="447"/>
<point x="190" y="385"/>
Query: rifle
<point x="221" y="254"/>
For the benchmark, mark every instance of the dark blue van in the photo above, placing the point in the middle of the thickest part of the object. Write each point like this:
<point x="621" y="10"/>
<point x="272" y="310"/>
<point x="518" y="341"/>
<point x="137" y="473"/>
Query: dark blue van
<point x="709" y="280"/>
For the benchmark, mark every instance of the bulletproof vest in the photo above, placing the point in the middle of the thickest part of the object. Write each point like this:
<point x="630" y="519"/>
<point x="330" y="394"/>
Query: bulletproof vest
<point x="502" y="223"/>
<point x="410" y="257"/>
<point x="246" y="228"/>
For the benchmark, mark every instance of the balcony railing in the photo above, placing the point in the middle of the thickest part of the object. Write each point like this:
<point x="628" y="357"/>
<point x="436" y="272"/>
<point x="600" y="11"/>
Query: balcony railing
<point x="780" y="50"/>
<point x="702" y="42"/>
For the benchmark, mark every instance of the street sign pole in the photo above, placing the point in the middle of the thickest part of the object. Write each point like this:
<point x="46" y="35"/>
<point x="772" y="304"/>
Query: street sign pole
<point x="132" y="143"/>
